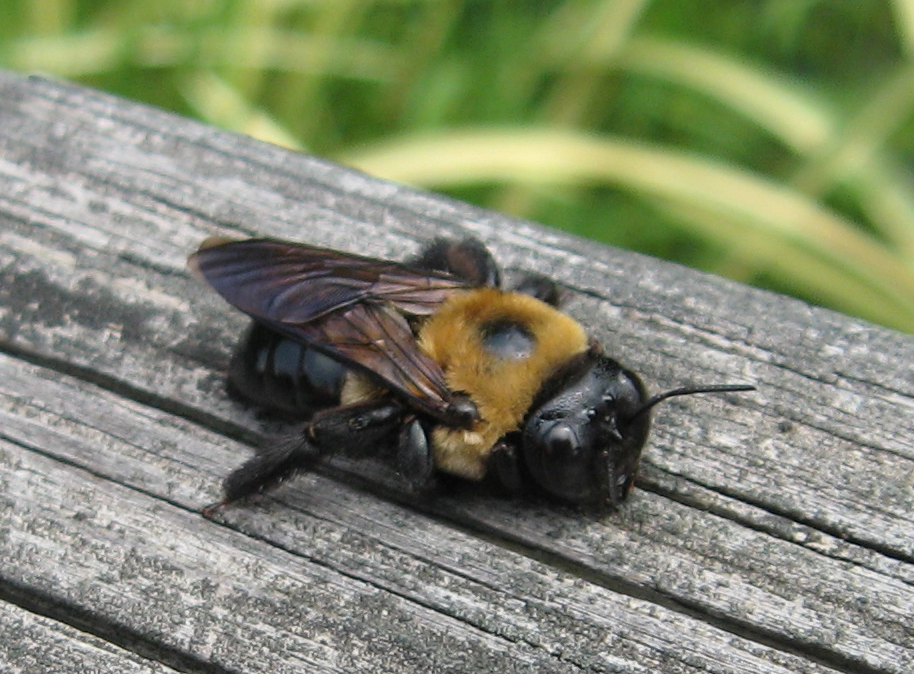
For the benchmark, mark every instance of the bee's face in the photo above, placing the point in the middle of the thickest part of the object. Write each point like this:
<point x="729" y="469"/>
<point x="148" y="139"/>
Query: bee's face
<point x="583" y="443"/>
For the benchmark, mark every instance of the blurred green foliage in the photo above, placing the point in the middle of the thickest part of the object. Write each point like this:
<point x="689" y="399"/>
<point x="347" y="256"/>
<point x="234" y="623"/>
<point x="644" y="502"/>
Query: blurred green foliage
<point x="767" y="140"/>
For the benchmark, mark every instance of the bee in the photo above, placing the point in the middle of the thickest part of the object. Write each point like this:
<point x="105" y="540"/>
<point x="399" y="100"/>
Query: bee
<point x="432" y="362"/>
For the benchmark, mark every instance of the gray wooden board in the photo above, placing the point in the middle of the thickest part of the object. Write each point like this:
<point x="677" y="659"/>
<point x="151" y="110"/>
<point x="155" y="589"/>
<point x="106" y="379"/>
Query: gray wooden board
<point x="772" y="533"/>
<point x="136" y="554"/>
<point x="31" y="643"/>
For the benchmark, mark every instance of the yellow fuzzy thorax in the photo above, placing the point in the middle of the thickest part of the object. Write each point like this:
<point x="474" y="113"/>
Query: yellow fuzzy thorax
<point x="502" y="388"/>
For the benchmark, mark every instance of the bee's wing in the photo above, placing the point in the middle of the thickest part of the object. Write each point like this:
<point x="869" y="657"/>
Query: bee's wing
<point x="349" y="306"/>
<point x="380" y="340"/>
<point x="295" y="283"/>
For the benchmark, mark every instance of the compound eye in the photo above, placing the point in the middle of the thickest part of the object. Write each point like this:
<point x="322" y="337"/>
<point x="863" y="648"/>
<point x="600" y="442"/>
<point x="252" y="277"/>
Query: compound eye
<point x="563" y="464"/>
<point x="562" y="443"/>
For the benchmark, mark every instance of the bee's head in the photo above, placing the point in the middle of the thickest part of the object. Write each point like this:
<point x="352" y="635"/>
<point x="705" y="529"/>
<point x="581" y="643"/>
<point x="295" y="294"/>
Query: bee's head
<point x="583" y="436"/>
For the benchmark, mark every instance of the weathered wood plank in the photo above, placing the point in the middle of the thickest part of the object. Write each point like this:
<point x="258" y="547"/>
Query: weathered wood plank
<point x="149" y="450"/>
<point x="146" y="567"/>
<point x="31" y="643"/>
<point x="108" y="490"/>
<point x="809" y="541"/>
<point x="154" y="186"/>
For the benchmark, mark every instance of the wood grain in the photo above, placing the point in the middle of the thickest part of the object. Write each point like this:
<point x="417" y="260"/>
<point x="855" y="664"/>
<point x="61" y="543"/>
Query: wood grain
<point x="33" y="643"/>
<point x="771" y="532"/>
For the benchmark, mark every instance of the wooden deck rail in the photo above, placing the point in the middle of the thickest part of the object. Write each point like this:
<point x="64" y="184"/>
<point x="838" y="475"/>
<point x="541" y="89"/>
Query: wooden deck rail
<point x="771" y="533"/>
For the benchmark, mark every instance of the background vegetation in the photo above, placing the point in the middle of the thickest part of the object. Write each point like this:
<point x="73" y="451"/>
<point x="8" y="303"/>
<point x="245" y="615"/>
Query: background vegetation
<point x="766" y="140"/>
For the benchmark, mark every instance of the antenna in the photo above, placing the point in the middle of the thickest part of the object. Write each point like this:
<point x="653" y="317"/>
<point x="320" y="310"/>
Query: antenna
<point x="689" y="390"/>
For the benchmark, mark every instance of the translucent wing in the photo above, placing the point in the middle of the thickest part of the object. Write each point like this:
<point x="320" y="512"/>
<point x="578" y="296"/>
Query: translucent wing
<point x="295" y="283"/>
<point x="349" y="306"/>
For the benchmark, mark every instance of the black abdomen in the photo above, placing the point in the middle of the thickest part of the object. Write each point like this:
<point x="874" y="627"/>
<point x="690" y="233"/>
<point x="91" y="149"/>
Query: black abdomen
<point x="282" y="375"/>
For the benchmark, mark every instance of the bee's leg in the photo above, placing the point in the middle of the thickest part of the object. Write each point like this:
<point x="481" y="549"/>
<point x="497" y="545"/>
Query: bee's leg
<point x="266" y="469"/>
<point x="350" y="429"/>
<point x="541" y="287"/>
<point x="414" y="457"/>
<point x="505" y="463"/>
<point x="358" y="429"/>
<point x="468" y="259"/>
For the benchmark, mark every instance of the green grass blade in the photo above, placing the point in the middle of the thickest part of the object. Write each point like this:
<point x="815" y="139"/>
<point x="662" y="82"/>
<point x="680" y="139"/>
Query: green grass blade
<point x="774" y="102"/>
<point x="554" y="157"/>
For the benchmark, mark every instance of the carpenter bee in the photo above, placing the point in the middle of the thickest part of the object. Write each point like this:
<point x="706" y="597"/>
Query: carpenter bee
<point x="433" y="362"/>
